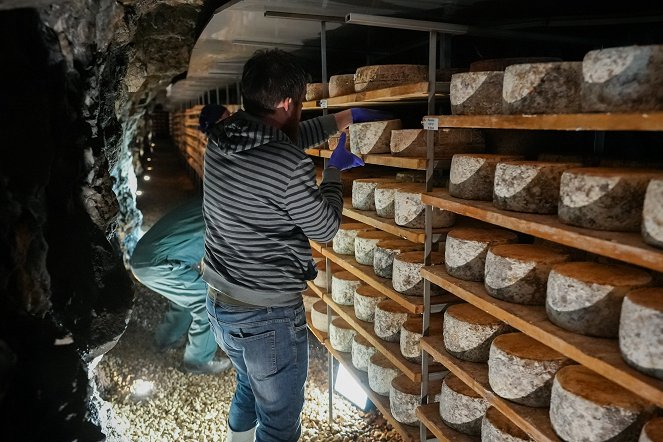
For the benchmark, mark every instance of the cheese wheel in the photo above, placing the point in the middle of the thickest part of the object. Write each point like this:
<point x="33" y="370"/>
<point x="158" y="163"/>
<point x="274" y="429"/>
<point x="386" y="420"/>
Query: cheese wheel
<point x="518" y="273"/>
<point x="341" y="334"/>
<point x="363" y="192"/>
<point x="343" y="287"/>
<point x="405" y="397"/>
<point x="386" y="250"/>
<point x="528" y="186"/>
<point x="652" y="214"/>
<point x="586" y="297"/>
<point x="362" y="351"/>
<point x="368" y="78"/>
<point x="476" y="93"/>
<point x="446" y="142"/>
<point x="309" y="298"/>
<point x="411" y="334"/>
<point x="333" y="140"/>
<point x="641" y="330"/>
<point x="389" y="317"/>
<point x="585" y="406"/>
<point x="365" y="243"/>
<point x="341" y="85"/>
<point x="472" y="175"/>
<point x="522" y="370"/>
<point x="652" y="431"/>
<point x="542" y="88"/>
<point x="365" y="301"/>
<point x="604" y="198"/>
<point x="499" y="64"/>
<point x="469" y="331"/>
<point x="623" y="79"/>
<point x="344" y="240"/>
<point x="409" y="211"/>
<point x="321" y="278"/>
<point x="497" y="428"/>
<point x="319" y="316"/>
<point x="380" y="374"/>
<point x="466" y="248"/>
<point x="314" y="91"/>
<point x="373" y="137"/>
<point x="384" y="199"/>
<point x="406" y="276"/>
<point x="461" y="408"/>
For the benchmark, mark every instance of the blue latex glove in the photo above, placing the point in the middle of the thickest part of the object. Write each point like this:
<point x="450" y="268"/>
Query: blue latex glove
<point x="360" y="115"/>
<point x="342" y="159"/>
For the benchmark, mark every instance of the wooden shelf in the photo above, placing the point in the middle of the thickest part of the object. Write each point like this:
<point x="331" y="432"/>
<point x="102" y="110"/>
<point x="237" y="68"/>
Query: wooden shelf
<point x="624" y="246"/>
<point x="389" y="225"/>
<point x="430" y="417"/>
<point x="601" y="355"/>
<point x="319" y="335"/>
<point x="533" y="421"/>
<point x="317" y="290"/>
<point x="414" y="304"/>
<point x="393" y="95"/>
<point x="316" y="246"/>
<point x="386" y="159"/>
<point x="652" y="121"/>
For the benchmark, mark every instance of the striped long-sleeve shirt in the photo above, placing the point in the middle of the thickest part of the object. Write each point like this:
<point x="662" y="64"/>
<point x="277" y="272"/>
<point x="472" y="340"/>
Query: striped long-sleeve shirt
<point x="261" y="205"/>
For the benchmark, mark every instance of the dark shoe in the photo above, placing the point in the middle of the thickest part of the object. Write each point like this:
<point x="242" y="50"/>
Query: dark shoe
<point x="215" y="366"/>
<point x="162" y="348"/>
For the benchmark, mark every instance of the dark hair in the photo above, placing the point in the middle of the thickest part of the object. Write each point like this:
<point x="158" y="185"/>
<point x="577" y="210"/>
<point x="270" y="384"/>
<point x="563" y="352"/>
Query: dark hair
<point x="270" y="76"/>
<point x="209" y="116"/>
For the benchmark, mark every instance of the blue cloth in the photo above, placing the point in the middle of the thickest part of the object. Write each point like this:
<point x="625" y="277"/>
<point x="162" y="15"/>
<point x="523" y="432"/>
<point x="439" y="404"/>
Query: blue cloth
<point x="165" y="260"/>
<point x="268" y="347"/>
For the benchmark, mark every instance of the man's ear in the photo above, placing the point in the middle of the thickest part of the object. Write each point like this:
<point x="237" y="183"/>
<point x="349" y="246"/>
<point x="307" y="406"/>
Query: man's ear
<point x="286" y="104"/>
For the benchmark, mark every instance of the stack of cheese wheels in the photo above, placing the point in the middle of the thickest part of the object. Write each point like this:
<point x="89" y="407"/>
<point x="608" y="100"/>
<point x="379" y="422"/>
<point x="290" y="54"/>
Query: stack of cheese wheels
<point x="341" y="334"/>
<point x="333" y="141"/>
<point x="623" y="79"/>
<point x="476" y="93"/>
<point x="518" y="273"/>
<point x="384" y="199"/>
<point x="380" y="374"/>
<point x="389" y="317"/>
<point x="412" y="142"/>
<point x="586" y="297"/>
<point x="362" y="350"/>
<point x="652" y="431"/>
<point x="319" y="316"/>
<point x="604" y="198"/>
<point x="343" y="287"/>
<point x="461" y="408"/>
<point x="314" y="91"/>
<point x="341" y="85"/>
<point x="363" y="192"/>
<point x="373" y="137"/>
<point x="528" y="186"/>
<point x="409" y="211"/>
<point x="405" y="397"/>
<point x="522" y="370"/>
<point x="472" y="175"/>
<point x="540" y="88"/>
<point x="641" y="330"/>
<point x="366" y="299"/>
<point x="499" y="64"/>
<point x="366" y="242"/>
<point x="321" y="278"/>
<point x="411" y="334"/>
<point x="466" y="248"/>
<point x="406" y="276"/>
<point x="496" y="427"/>
<point x="386" y="250"/>
<point x="369" y="78"/>
<point x="585" y="406"/>
<point x="309" y="298"/>
<point x="344" y="240"/>
<point x="469" y="331"/>
<point x="652" y="214"/>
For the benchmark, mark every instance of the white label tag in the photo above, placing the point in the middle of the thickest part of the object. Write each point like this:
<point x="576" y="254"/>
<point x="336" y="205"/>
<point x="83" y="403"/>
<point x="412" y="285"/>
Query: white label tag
<point x="323" y="104"/>
<point x="430" y="123"/>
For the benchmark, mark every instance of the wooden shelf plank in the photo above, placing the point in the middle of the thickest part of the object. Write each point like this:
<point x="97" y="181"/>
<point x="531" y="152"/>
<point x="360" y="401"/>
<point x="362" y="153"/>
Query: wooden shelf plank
<point x="319" y="335"/>
<point x="391" y="161"/>
<point x="317" y="290"/>
<point x="601" y="355"/>
<point x="430" y="416"/>
<point x="652" y="121"/>
<point x="533" y="421"/>
<point x="316" y="246"/>
<point x="624" y="246"/>
<point x="414" y="304"/>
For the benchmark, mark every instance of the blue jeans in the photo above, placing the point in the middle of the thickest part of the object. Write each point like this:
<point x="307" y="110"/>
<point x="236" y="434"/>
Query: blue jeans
<point x="269" y="348"/>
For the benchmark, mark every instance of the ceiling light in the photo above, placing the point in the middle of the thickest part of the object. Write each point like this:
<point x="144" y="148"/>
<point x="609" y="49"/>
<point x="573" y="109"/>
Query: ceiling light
<point x="146" y="177"/>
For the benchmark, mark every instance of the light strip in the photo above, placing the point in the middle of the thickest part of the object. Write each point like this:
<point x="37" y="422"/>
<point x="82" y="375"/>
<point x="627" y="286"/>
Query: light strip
<point x="309" y="17"/>
<point x="405" y="23"/>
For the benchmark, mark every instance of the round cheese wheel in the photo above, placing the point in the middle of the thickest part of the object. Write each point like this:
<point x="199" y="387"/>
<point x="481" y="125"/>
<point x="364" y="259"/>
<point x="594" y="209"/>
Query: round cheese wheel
<point x="466" y="248"/>
<point x="384" y="199"/>
<point x="319" y="316"/>
<point x="333" y="140"/>
<point x="363" y="192"/>
<point x="343" y="287"/>
<point x="365" y="301"/>
<point x="372" y="137"/>
<point x="652" y="431"/>
<point x="405" y="397"/>
<point x="362" y="351"/>
<point x="461" y="408"/>
<point x="369" y="78"/>
<point x="341" y="85"/>
<point x="499" y="64"/>
<point x="380" y="374"/>
<point x="518" y="273"/>
<point x="389" y="317"/>
<point x="365" y="243"/>
<point x="446" y="142"/>
<point x="411" y="334"/>
<point x="522" y="369"/>
<point x="497" y="428"/>
<point x="341" y="334"/>
<point x="344" y="240"/>
<point x="652" y="214"/>
<point x="321" y="278"/>
<point x="314" y="91"/>
<point x="588" y="407"/>
<point x="309" y="297"/>
<point x="409" y="211"/>
<point x="406" y="275"/>
<point x="641" y="330"/>
<point x="586" y="297"/>
<point x="472" y="175"/>
<point x="386" y="250"/>
<point x="469" y="331"/>
<point x="476" y="93"/>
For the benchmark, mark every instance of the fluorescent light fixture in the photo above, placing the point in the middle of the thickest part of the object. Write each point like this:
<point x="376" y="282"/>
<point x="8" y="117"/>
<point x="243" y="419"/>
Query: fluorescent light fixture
<point x="347" y="386"/>
<point x="268" y="44"/>
<point x="147" y="177"/>
<point x="405" y="23"/>
<point x="308" y="17"/>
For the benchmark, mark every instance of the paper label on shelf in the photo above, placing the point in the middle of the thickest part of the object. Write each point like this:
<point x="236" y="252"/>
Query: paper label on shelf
<point x="430" y="123"/>
<point x="323" y="104"/>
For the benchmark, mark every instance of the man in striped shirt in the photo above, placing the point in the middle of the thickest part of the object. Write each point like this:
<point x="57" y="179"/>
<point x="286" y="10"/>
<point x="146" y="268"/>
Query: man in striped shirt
<point x="261" y="206"/>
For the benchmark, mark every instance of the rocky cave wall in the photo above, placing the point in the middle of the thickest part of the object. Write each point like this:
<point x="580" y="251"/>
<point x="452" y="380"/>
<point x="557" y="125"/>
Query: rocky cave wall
<point x="77" y="79"/>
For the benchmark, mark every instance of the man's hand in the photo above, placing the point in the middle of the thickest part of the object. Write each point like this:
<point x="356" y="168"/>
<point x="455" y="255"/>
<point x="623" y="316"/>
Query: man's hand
<point x="342" y="159"/>
<point x="360" y="115"/>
